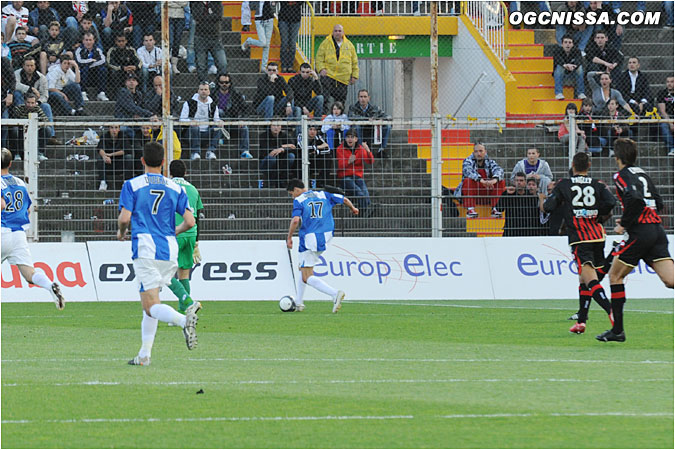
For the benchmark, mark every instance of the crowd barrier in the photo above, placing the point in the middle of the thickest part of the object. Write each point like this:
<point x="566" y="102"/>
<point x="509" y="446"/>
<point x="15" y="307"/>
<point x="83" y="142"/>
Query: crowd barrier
<point x="367" y="269"/>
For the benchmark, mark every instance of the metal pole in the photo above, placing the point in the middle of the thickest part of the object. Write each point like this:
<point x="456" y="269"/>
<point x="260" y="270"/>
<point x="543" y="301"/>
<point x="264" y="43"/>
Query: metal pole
<point x="572" y="148"/>
<point x="305" y="152"/>
<point x="166" y="85"/>
<point x="436" y="179"/>
<point x="31" y="164"/>
<point x="434" y="57"/>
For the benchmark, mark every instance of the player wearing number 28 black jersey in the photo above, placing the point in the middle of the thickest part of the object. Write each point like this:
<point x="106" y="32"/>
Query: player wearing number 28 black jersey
<point x="646" y="237"/>
<point x="583" y="201"/>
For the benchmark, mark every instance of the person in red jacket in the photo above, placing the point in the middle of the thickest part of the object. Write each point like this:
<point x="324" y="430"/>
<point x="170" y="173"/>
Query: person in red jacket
<point x="351" y="158"/>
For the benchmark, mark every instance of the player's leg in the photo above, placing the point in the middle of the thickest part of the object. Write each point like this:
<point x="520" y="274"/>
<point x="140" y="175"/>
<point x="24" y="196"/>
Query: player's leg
<point x="305" y="273"/>
<point x="178" y="285"/>
<point x="310" y="258"/>
<point x="664" y="269"/>
<point x="617" y="273"/>
<point x="584" y="304"/>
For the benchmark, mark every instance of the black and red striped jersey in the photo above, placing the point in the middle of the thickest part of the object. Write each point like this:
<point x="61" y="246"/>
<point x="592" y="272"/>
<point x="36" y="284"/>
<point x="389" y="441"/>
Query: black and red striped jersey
<point x="582" y="200"/>
<point x="640" y="200"/>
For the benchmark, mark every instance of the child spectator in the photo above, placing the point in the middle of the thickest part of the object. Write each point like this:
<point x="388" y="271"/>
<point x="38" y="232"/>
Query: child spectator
<point x="564" y="130"/>
<point x="320" y="156"/>
<point x="92" y="67"/>
<point x="595" y="140"/>
<point x="615" y="130"/>
<point x="52" y="48"/>
<point x="122" y="61"/>
<point x="567" y="63"/>
<point x="351" y="159"/>
<point x="22" y="46"/>
<point x="333" y="127"/>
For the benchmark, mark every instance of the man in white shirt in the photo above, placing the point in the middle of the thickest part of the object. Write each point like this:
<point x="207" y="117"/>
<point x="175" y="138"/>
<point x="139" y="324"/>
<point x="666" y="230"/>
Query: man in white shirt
<point x="151" y="58"/>
<point x="63" y="82"/>
<point x="202" y="107"/>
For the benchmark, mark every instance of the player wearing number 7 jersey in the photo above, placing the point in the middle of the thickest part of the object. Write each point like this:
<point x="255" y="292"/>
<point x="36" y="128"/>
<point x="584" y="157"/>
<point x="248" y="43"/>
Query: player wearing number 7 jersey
<point x="149" y="203"/>
<point x="584" y="202"/>
<point x="313" y="213"/>
<point x="647" y="239"/>
<point x="15" y="206"/>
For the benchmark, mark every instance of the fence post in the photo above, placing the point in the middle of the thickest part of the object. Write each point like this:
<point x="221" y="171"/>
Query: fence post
<point x="436" y="179"/>
<point x="31" y="163"/>
<point x="572" y="148"/>
<point x="305" y="152"/>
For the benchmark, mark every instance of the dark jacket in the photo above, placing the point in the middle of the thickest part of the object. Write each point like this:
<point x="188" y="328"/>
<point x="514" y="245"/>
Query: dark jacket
<point x="208" y="18"/>
<point x="269" y="142"/>
<point x="290" y="12"/>
<point x="129" y="105"/>
<point x="110" y="145"/>
<point x="561" y="58"/>
<point x="302" y="89"/>
<point x="39" y="17"/>
<point x="8" y="79"/>
<point x="607" y="54"/>
<point x="522" y="214"/>
<point x="277" y="89"/>
<point x="121" y="18"/>
<point x="236" y="105"/>
<point x="120" y="57"/>
<point x="642" y="90"/>
<point x="153" y="102"/>
<point x="371" y="112"/>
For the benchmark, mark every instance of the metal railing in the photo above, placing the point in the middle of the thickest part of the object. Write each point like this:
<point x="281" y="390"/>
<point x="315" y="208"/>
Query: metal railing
<point x="306" y="34"/>
<point x="490" y="20"/>
<point x="383" y="8"/>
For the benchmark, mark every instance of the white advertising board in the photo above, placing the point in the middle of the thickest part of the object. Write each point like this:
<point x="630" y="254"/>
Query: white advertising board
<point x="543" y="267"/>
<point x="404" y="269"/>
<point x="65" y="263"/>
<point x="229" y="270"/>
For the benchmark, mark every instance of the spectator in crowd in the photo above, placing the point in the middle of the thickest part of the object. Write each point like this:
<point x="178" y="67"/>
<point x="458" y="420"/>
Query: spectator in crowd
<point x="145" y="20"/>
<point x="22" y="112"/>
<point x="273" y="95"/>
<point x="615" y="130"/>
<point x="14" y="15"/>
<point x="232" y="105"/>
<point x="73" y="36"/>
<point x="72" y="13"/>
<point x="116" y="152"/>
<point x="601" y="57"/>
<point x="65" y="93"/>
<point x="22" y="46"/>
<point x="8" y="84"/>
<point x="580" y="33"/>
<point x="564" y="129"/>
<point x="334" y="126"/>
<point x="482" y="181"/>
<point x="534" y="168"/>
<point x="592" y="132"/>
<point x="289" y="25"/>
<point x="130" y="104"/>
<point x="40" y="18"/>
<point x="302" y="85"/>
<point x="208" y="18"/>
<point x="52" y="47"/>
<point x="568" y="64"/>
<point x="5" y="48"/>
<point x="201" y="107"/>
<point x="634" y="87"/>
<point x="153" y="98"/>
<point x="520" y="209"/>
<point x="246" y="16"/>
<point x="264" y="26"/>
<point x="122" y="61"/>
<point x="28" y="79"/>
<point x="93" y="69"/>
<point x="664" y="102"/>
<point x="363" y="109"/>
<point x="603" y="92"/>
<point x="155" y="133"/>
<point x="613" y="30"/>
<point x="151" y="60"/>
<point x="320" y="156"/>
<point x="337" y="64"/>
<point x="176" y="28"/>
<point x="668" y="8"/>
<point x="276" y="155"/>
<point x="351" y="159"/>
<point x="117" y="19"/>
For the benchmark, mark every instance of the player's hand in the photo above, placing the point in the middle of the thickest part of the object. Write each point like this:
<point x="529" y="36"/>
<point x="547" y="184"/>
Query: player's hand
<point x="618" y="229"/>
<point x="289" y="243"/>
<point x="355" y="211"/>
<point x="120" y="236"/>
<point x="196" y="255"/>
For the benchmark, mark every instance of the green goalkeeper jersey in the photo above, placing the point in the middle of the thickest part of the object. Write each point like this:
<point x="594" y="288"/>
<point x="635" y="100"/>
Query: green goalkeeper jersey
<point x="195" y="203"/>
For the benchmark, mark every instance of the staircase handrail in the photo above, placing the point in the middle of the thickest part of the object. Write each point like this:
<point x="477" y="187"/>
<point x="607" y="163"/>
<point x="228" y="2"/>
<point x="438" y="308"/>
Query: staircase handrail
<point x="305" y="45"/>
<point x="490" y="19"/>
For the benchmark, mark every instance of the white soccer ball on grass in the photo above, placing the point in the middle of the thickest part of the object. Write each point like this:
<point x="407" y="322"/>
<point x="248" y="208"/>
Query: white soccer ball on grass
<point x="287" y="303"/>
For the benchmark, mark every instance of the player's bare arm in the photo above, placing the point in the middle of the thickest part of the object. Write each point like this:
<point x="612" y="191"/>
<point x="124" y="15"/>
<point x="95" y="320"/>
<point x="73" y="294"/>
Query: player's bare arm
<point x="123" y="221"/>
<point x="351" y="206"/>
<point x="295" y="223"/>
<point x="188" y="222"/>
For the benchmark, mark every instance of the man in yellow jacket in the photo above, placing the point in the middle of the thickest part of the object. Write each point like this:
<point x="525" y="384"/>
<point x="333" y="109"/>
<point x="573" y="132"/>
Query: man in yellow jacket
<point x="337" y="64"/>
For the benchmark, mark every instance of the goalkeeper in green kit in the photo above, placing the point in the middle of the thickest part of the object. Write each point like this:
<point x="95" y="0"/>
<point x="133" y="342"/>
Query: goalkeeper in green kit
<point x="188" y="241"/>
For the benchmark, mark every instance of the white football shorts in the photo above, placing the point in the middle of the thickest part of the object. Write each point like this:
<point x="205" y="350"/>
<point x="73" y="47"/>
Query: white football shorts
<point x="309" y="258"/>
<point x="153" y="273"/>
<point x="15" y="248"/>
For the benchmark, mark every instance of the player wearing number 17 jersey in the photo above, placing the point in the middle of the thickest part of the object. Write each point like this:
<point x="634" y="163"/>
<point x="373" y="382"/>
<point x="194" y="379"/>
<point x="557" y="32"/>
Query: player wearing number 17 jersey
<point x="583" y="201"/>
<point x="313" y="213"/>
<point x="647" y="239"/>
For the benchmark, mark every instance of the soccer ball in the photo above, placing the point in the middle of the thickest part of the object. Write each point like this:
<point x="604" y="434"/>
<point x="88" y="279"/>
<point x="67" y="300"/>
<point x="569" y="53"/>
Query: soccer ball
<point x="287" y="303"/>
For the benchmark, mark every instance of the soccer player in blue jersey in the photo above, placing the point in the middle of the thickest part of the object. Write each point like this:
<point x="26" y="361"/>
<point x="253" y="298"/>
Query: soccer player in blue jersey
<point x="313" y="213"/>
<point x="15" y="207"/>
<point x="149" y="203"/>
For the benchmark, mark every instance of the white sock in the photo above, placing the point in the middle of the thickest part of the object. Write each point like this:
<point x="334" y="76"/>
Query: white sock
<point x="321" y="286"/>
<point x="167" y="314"/>
<point x="41" y="280"/>
<point x="148" y="330"/>
<point x="300" y="290"/>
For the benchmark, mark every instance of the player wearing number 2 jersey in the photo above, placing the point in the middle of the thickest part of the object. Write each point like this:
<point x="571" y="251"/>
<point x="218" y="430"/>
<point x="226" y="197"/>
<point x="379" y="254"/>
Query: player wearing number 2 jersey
<point x="583" y="201"/>
<point x="149" y="203"/>
<point x="646" y="237"/>
<point x="313" y="213"/>
<point x="15" y="207"/>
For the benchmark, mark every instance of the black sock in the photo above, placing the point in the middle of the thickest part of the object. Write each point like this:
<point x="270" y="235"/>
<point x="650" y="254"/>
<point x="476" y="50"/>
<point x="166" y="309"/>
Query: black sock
<point x="618" y="300"/>
<point x="584" y="303"/>
<point x="598" y="294"/>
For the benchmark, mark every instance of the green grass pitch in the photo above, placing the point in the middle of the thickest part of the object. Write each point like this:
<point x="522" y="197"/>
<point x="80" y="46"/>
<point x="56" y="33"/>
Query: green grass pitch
<point x="414" y="374"/>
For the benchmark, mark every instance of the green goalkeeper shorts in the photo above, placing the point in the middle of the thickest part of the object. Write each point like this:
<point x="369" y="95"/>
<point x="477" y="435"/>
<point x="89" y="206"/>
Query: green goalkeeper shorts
<point x="186" y="246"/>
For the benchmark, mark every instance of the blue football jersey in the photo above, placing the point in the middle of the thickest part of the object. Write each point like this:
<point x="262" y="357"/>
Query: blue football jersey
<point x="15" y="194"/>
<point x="153" y="201"/>
<point x="315" y="208"/>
